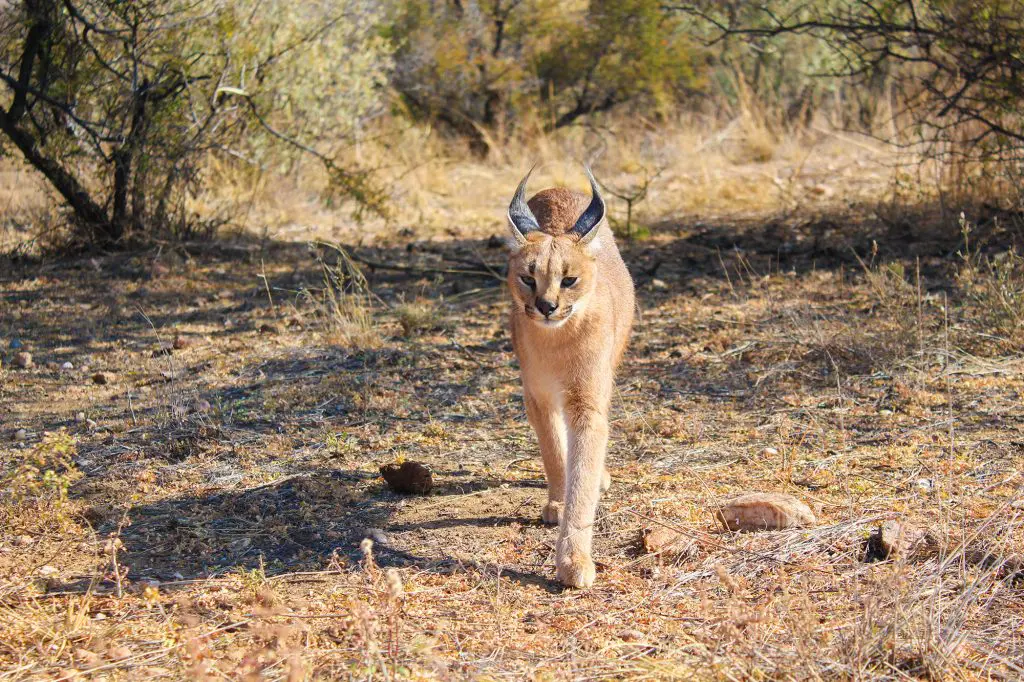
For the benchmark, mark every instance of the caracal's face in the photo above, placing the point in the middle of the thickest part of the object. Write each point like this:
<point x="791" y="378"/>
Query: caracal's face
<point x="551" y="278"/>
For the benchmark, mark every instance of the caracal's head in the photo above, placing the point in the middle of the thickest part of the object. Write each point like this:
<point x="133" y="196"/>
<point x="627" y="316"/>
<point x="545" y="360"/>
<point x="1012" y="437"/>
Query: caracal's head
<point x="554" y="243"/>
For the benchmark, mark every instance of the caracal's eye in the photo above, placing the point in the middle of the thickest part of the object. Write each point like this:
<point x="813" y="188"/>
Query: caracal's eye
<point x="528" y="281"/>
<point x="568" y="282"/>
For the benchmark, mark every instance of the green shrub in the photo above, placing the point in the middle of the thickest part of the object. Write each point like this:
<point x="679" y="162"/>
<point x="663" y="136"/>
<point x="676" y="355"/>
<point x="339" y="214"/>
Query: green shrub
<point x="476" y="65"/>
<point x="120" y="104"/>
<point x="45" y="473"/>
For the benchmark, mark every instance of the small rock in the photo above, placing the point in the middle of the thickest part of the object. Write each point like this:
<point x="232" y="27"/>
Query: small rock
<point x="899" y="539"/>
<point x="378" y="536"/>
<point x="67" y="366"/>
<point x="180" y="342"/>
<point x="409" y="477"/>
<point x="80" y="417"/>
<point x="659" y="284"/>
<point x="23" y="360"/>
<point x="21" y="434"/>
<point x="668" y="543"/>
<point x="47" y="570"/>
<point x="24" y="540"/>
<point x="770" y="452"/>
<point x="100" y="378"/>
<point x="764" y="511"/>
<point x="925" y="485"/>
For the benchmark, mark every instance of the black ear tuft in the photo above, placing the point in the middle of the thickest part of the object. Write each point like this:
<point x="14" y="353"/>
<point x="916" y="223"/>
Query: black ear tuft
<point x="594" y="213"/>
<point x="520" y="216"/>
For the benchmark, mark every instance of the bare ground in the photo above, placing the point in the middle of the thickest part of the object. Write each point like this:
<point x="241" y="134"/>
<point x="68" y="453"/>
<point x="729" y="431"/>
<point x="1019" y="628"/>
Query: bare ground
<point x="225" y="482"/>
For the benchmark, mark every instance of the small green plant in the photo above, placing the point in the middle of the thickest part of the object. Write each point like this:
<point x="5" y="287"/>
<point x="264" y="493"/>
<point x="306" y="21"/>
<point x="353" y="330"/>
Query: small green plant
<point x="253" y="580"/>
<point x="46" y="473"/>
<point x="417" y="317"/>
<point x="344" y="305"/>
<point x="992" y="285"/>
<point x="888" y="282"/>
<point x="341" y="444"/>
<point x="631" y="231"/>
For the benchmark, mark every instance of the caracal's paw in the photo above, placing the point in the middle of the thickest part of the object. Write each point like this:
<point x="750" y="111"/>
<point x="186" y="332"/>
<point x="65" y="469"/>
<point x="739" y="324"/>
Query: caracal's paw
<point x="576" y="571"/>
<point x="552" y="513"/>
<point x="606" y="480"/>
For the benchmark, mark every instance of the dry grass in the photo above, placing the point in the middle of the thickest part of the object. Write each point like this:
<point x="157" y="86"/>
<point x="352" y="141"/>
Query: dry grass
<point x="223" y="485"/>
<point x="702" y="167"/>
<point x="344" y="303"/>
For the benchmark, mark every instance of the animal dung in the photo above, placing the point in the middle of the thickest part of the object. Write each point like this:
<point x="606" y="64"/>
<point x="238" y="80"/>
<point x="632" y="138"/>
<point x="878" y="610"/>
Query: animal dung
<point x="408" y="477"/>
<point x="764" y="511"/>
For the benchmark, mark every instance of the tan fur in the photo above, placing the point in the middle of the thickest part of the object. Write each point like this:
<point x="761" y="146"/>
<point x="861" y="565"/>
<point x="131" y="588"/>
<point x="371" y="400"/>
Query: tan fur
<point x="568" y="366"/>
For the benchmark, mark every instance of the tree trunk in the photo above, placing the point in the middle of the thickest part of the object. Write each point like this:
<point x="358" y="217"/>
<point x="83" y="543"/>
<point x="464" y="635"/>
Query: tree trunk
<point x="91" y="214"/>
<point x="122" y="173"/>
<point x="126" y="166"/>
<point x="81" y="202"/>
<point x="583" y="108"/>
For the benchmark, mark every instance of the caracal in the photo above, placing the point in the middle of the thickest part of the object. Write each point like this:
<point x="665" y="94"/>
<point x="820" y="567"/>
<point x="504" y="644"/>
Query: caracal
<point x="572" y="311"/>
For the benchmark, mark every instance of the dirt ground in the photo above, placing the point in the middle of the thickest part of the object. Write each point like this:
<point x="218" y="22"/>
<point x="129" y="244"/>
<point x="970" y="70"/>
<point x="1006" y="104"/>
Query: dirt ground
<point x="228" y="424"/>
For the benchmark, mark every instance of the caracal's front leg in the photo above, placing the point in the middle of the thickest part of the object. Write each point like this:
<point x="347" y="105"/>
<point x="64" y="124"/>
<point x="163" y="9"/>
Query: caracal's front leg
<point x="588" y="442"/>
<point x="547" y="420"/>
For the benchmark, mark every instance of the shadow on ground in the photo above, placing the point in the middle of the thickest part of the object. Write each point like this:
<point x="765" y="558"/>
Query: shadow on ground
<point x="307" y="521"/>
<point x="316" y="510"/>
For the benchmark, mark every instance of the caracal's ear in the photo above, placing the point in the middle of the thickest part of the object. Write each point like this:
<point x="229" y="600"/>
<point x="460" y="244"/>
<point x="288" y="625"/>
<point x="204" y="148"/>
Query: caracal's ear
<point x="521" y="220"/>
<point x="586" y="226"/>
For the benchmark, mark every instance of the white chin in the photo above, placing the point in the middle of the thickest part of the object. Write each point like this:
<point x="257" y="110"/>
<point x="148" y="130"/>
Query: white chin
<point x="554" y="324"/>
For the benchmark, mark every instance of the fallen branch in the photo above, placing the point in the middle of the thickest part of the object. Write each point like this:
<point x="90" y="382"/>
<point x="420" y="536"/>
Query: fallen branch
<point x="423" y="270"/>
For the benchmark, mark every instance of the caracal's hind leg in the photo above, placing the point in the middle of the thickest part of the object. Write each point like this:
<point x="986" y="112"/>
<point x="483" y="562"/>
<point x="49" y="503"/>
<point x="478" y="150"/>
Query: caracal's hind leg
<point x="546" y="418"/>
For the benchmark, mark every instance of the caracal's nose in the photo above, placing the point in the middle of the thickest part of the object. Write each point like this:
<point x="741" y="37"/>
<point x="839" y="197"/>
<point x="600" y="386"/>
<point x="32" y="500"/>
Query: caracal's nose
<point x="546" y="307"/>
